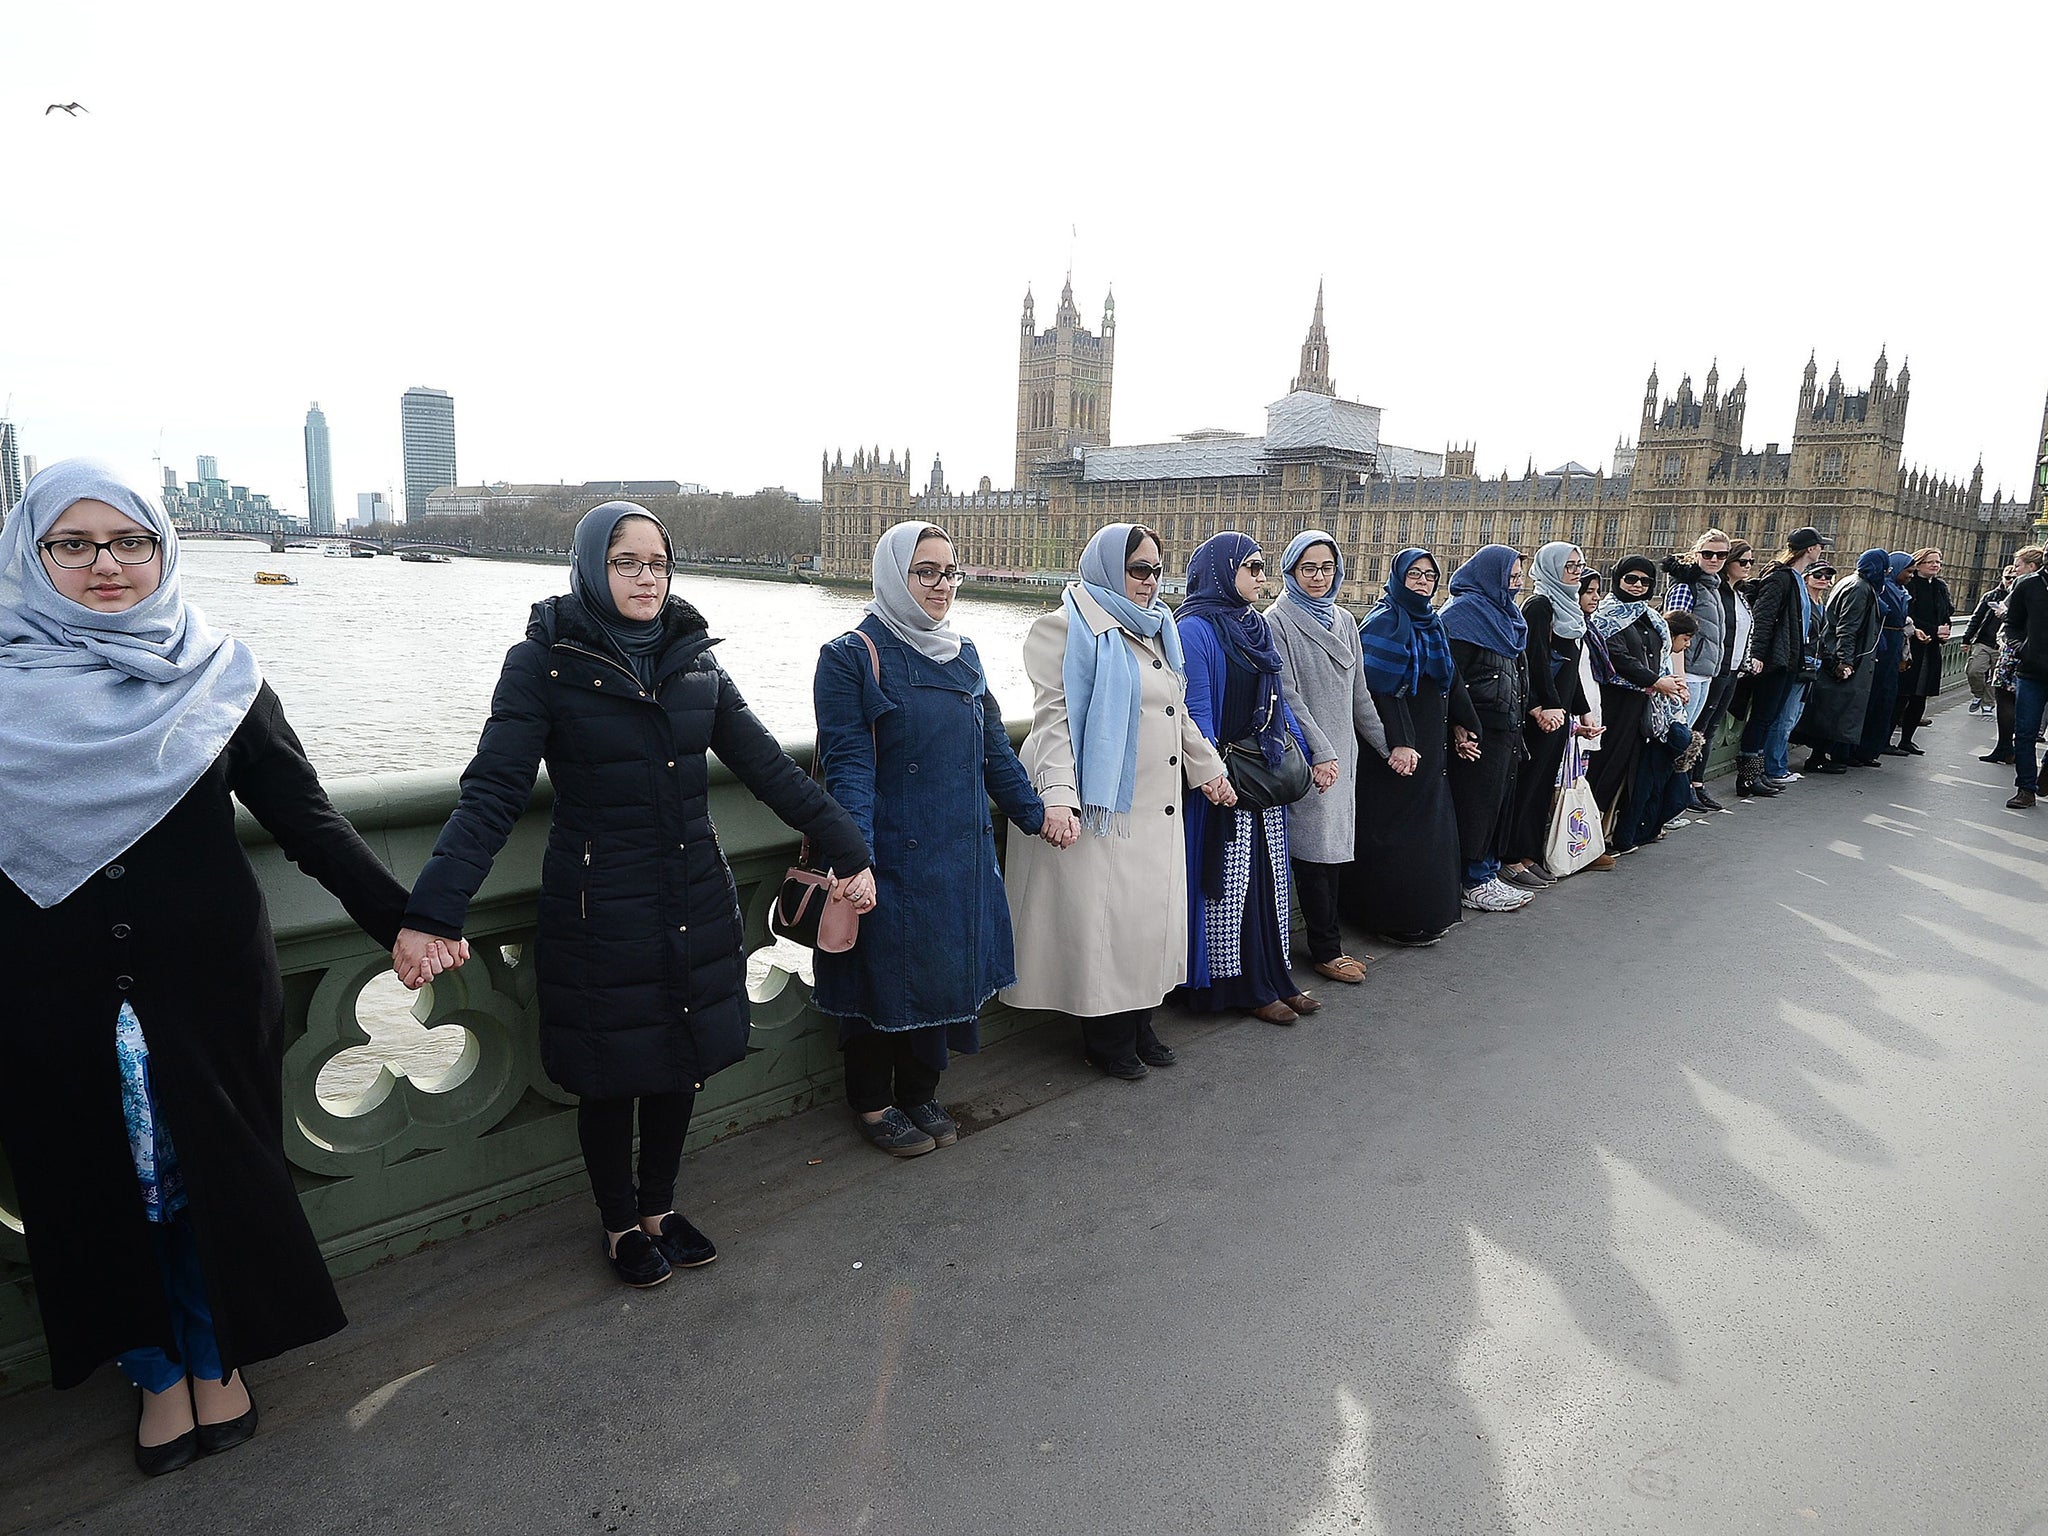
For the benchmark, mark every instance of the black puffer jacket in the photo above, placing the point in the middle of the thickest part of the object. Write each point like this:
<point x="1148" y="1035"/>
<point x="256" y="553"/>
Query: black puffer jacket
<point x="1777" y="637"/>
<point x="641" y="971"/>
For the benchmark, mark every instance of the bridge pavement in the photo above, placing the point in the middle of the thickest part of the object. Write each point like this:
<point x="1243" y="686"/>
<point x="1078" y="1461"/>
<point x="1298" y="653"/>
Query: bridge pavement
<point x="1700" y="1197"/>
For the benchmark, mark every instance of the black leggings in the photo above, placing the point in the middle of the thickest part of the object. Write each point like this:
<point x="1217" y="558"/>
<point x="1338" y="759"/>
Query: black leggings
<point x="1766" y="701"/>
<point x="605" y="1127"/>
<point x="1315" y="888"/>
<point x="882" y="1069"/>
<point x="1719" y="692"/>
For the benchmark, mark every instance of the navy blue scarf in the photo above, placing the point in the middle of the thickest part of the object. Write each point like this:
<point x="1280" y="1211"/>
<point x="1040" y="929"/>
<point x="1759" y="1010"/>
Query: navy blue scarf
<point x="1403" y="638"/>
<point x="1482" y="610"/>
<point x="1213" y="595"/>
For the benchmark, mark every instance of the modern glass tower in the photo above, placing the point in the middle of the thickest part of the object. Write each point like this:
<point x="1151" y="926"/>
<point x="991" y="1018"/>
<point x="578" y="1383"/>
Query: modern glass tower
<point x="10" y="469"/>
<point x="427" y="417"/>
<point x="319" y="473"/>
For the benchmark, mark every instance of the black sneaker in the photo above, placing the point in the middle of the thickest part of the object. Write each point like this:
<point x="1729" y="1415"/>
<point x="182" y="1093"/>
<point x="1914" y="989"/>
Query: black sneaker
<point x="637" y="1260"/>
<point x="682" y="1244"/>
<point x="1129" y="1068"/>
<point x="931" y="1118"/>
<point x="896" y="1135"/>
<point x="1152" y="1050"/>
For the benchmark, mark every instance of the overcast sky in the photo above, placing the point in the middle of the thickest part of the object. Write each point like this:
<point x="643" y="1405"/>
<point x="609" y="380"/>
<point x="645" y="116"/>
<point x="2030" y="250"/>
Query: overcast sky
<point x="706" y="243"/>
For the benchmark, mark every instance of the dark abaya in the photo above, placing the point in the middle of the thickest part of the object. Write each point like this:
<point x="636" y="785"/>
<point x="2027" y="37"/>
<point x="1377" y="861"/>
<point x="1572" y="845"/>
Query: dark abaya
<point x="1405" y="880"/>
<point x="1555" y="686"/>
<point x="1884" y="693"/>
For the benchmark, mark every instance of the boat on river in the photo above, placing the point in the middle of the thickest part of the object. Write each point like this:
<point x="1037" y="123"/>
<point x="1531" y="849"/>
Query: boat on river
<point x="357" y="552"/>
<point x="275" y="579"/>
<point x="422" y="557"/>
<point x="335" y="552"/>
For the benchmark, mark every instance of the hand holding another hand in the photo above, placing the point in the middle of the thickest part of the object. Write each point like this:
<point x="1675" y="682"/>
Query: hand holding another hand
<point x="419" y="957"/>
<point x="859" y="889"/>
<point x="1219" y="792"/>
<point x="1323" y="776"/>
<point x="1062" y="827"/>
<point x="1404" y="760"/>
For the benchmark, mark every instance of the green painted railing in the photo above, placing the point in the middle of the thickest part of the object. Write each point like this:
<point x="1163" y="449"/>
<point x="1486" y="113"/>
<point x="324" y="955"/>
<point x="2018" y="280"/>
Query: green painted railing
<point x="386" y="1164"/>
<point x="1721" y="756"/>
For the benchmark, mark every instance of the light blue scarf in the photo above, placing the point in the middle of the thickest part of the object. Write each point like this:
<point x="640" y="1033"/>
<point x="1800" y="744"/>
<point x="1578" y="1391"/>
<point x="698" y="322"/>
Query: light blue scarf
<point x="1103" y="683"/>
<point x="1324" y="608"/>
<point x="109" y="718"/>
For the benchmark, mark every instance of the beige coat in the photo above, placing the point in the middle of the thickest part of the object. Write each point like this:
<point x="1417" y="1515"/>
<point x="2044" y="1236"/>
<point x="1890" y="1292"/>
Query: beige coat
<point x="1102" y="927"/>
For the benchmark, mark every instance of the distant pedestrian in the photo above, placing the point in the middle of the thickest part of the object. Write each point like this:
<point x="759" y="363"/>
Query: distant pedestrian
<point x="1559" y="706"/>
<point x="2026" y="634"/>
<point x="1488" y="635"/>
<point x="142" y="994"/>
<point x="1980" y="637"/>
<point x="639" y="963"/>
<point x="1240" y="888"/>
<point x="1102" y="928"/>
<point x="1891" y="662"/>
<point x="915" y="758"/>
<point x="1930" y="608"/>
<point x="1326" y="689"/>
<point x="2005" y="671"/>
<point x="1404" y="884"/>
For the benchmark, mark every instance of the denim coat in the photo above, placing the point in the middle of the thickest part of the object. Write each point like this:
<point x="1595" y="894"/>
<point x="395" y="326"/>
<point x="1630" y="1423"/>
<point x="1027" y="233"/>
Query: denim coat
<point x="937" y="944"/>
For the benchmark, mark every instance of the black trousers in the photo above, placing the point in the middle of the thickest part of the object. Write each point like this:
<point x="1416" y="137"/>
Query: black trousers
<point x="1315" y="888"/>
<point x="1115" y="1036"/>
<point x="1719" y="692"/>
<point x="1766" y="700"/>
<point x="605" y="1127"/>
<point x="1912" y="715"/>
<point x="881" y="1070"/>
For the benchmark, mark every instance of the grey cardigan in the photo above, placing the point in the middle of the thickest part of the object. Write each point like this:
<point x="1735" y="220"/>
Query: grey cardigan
<point x="1323" y="679"/>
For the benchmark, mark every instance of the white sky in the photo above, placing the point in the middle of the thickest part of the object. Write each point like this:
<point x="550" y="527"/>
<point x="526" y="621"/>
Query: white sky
<point x="707" y="242"/>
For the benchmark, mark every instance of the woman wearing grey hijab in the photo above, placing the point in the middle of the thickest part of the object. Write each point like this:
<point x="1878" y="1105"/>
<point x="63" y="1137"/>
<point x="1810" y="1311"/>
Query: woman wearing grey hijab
<point x="142" y="995"/>
<point x="639" y="961"/>
<point x="912" y="743"/>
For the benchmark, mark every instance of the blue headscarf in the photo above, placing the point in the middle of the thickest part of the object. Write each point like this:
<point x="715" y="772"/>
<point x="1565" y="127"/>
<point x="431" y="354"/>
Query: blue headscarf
<point x="1212" y="595"/>
<point x="110" y="718"/>
<point x="1102" y="682"/>
<point x="1482" y="610"/>
<point x="1403" y="638"/>
<point x="638" y="641"/>
<point x="1322" y="609"/>
<point x="1893" y="595"/>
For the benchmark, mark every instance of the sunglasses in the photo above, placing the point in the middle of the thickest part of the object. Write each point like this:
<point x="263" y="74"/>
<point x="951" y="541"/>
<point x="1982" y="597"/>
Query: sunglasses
<point x="1256" y="566"/>
<point x="1746" y="560"/>
<point x="1713" y="554"/>
<point x="1633" y="579"/>
<point x="1139" y="570"/>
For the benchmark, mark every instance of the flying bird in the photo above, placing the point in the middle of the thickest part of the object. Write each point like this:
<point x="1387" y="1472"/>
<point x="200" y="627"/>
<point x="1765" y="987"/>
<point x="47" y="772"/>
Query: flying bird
<point x="72" y="107"/>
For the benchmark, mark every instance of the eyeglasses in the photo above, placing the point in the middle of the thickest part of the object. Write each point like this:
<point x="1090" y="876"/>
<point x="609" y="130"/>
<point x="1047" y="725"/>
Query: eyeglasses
<point x="1573" y="565"/>
<point x="932" y="575"/>
<point x="1633" y="579"/>
<point x="1421" y="573"/>
<point x="1713" y="554"/>
<point x="1139" y="570"/>
<point x="1256" y="566"/>
<point x="629" y="568"/>
<point x="1315" y="568"/>
<point x="1822" y="573"/>
<point x="1745" y="560"/>
<point x="77" y="554"/>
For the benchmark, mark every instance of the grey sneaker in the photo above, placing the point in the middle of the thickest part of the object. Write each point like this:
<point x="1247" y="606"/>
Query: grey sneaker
<point x="931" y="1118"/>
<point x="895" y="1134"/>
<point x="1495" y="897"/>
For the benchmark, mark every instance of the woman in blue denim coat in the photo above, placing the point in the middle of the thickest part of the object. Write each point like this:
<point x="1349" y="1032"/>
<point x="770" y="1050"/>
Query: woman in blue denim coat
<point x="915" y="757"/>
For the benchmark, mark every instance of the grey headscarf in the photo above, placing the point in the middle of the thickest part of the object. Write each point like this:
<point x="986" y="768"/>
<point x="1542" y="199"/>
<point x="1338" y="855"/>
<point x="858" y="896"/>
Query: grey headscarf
<point x="109" y="718"/>
<point x="899" y="611"/>
<point x="1567" y="618"/>
<point x="638" y="640"/>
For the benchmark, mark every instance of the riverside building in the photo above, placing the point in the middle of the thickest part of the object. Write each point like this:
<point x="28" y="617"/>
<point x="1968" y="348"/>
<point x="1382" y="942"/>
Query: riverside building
<point x="1322" y="463"/>
<point x="319" y="473"/>
<point x="11" y="478"/>
<point x="427" y="426"/>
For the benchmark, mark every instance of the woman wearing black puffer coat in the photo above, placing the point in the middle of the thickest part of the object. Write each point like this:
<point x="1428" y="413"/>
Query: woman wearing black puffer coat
<point x="639" y="959"/>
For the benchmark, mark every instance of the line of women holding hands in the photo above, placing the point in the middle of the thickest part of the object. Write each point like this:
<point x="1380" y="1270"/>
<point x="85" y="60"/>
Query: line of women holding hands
<point x="141" y="1031"/>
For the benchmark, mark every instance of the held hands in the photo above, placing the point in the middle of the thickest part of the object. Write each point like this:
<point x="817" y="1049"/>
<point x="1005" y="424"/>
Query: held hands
<point x="1404" y="760"/>
<point x="419" y="957"/>
<point x="1756" y="667"/>
<point x="1548" y="719"/>
<point x="1218" y="791"/>
<point x="1062" y="827"/>
<point x="1588" y="727"/>
<point x="1465" y="743"/>
<point x="1670" y="687"/>
<point x="858" y="889"/>
<point x="1323" y="775"/>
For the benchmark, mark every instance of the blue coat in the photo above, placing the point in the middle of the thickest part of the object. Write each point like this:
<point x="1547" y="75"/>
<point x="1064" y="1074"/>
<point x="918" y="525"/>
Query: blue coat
<point x="1206" y="660"/>
<point x="937" y="945"/>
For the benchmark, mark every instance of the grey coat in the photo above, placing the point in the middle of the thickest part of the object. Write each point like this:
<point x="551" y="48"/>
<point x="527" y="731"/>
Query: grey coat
<point x="1848" y="633"/>
<point x="1323" y="679"/>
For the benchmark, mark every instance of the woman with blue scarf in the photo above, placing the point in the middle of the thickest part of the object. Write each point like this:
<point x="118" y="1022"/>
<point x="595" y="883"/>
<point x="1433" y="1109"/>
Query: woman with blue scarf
<point x="1404" y="883"/>
<point x="1238" y="888"/>
<point x="1895" y="603"/>
<point x="1323" y="680"/>
<point x="1100" y="928"/>
<point x="1488" y="634"/>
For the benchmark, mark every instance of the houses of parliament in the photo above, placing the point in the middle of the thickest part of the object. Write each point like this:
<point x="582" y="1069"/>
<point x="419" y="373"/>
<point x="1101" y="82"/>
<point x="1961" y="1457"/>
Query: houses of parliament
<point x="1322" y="463"/>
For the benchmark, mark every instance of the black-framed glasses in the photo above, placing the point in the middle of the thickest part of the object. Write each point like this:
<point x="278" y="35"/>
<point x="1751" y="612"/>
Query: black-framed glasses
<point x="1633" y="579"/>
<point x="930" y="576"/>
<point x="629" y="567"/>
<point x="1573" y="565"/>
<point x="1745" y="560"/>
<point x="1427" y="572"/>
<point x="1256" y="566"/>
<point x="1140" y="570"/>
<point x="1315" y="568"/>
<point x="1713" y="554"/>
<point x="72" y="554"/>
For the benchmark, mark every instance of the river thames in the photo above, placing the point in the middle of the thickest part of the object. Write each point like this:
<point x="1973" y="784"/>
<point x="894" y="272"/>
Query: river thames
<point x="384" y="665"/>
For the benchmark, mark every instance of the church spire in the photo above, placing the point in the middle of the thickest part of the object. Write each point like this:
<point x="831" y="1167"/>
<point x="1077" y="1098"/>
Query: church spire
<point x="1315" y="355"/>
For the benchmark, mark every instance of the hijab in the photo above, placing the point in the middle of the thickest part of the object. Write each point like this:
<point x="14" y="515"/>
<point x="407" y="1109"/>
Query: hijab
<point x="110" y="718"/>
<point x="1482" y="610"/>
<point x="1322" y="609"/>
<point x="638" y="641"/>
<point x="1567" y="619"/>
<point x="1616" y="613"/>
<point x="1403" y="638"/>
<point x="1247" y="639"/>
<point x="898" y="608"/>
<point x="1892" y="595"/>
<point x="1103" y="684"/>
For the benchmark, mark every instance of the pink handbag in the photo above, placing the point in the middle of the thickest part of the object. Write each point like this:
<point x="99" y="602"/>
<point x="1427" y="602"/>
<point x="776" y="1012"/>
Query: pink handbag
<point x="808" y="909"/>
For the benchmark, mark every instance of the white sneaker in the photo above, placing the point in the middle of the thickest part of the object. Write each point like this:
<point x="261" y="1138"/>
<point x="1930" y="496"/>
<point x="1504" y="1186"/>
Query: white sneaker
<point x="1494" y="897"/>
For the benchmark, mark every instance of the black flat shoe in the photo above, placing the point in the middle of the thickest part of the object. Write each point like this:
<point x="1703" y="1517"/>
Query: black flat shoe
<point x="1995" y="757"/>
<point x="931" y="1118"/>
<point x="1912" y="749"/>
<point x="1130" y="1069"/>
<point x="637" y="1260"/>
<point x="215" y="1438"/>
<point x="1895" y="752"/>
<point x="682" y="1244"/>
<point x="156" y="1460"/>
<point x="1153" y="1051"/>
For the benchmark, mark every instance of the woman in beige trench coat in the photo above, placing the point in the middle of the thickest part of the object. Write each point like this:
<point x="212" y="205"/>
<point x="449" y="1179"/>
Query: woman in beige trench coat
<point x="1101" y="927"/>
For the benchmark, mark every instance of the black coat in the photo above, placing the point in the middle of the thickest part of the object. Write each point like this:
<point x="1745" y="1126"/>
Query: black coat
<point x="1930" y="605"/>
<point x="176" y="926"/>
<point x="1849" y="632"/>
<point x="639" y="958"/>
<point x="1777" y="635"/>
<point x="2026" y="625"/>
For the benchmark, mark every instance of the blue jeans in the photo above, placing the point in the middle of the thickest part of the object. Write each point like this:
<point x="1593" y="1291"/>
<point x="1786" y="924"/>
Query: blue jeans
<point x="2031" y="694"/>
<point x="1480" y="870"/>
<point x="177" y="1256"/>
<point x="1778" y="748"/>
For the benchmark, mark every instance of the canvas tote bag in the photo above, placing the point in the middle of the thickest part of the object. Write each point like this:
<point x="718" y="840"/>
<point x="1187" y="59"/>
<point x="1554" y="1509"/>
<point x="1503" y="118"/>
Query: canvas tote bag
<point x="1574" y="839"/>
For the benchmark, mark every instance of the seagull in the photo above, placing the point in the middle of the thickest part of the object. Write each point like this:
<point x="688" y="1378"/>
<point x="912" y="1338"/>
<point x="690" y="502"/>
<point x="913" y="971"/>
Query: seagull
<point x="72" y="107"/>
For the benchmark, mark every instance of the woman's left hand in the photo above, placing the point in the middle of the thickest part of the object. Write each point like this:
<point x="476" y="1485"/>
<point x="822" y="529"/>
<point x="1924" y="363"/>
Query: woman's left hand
<point x="1323" y="775"/>
<point x="860" y="890"/>
<point x="1941" y="633"/>
<point x="1467" y="744"/>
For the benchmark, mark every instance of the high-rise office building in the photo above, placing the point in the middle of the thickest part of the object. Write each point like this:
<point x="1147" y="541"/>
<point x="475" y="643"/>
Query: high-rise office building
<point x="371" y="507"/>
<point x="11" y="481"/>
<point x="427" y="417"/>
<point x="319" y="473"/>
<point x="209" y="467"/>
<point x="28" y="469"/>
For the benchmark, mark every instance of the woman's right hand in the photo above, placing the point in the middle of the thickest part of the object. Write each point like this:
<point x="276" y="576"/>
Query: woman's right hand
<point x="1670" y="687"/>
<point x="419" y="957"/>
<point x="1219" y="792"/>
<point x="1062" y="827"/>
<point x="859" y="889"/>
<point x="1548" y="719"/>
<point x="1404" y="760"/>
